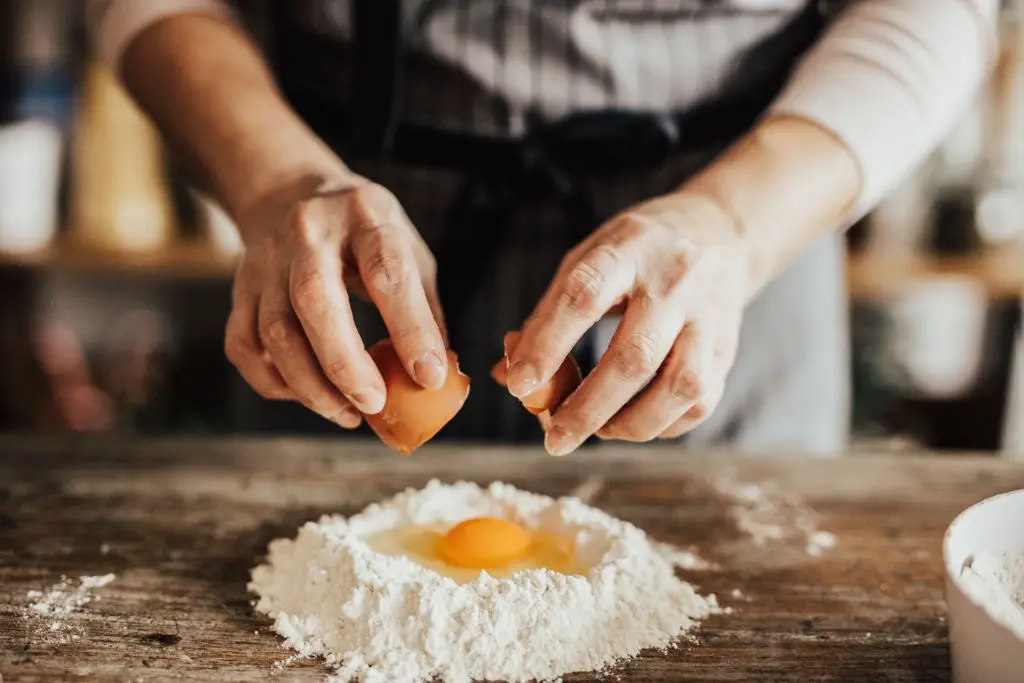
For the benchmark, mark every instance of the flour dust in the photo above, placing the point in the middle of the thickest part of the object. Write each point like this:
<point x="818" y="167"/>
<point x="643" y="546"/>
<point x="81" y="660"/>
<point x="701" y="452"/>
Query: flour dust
<point x="54" y="610"/>
<point x="765" y="513"/>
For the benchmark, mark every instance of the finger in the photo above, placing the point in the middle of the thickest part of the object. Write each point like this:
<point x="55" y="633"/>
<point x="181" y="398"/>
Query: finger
<point x="576" y="299"/>
<point x="639" y="347"/>
<point x="392" y="279"/>
<point x="434" y="300"/>
<point x="242" y="342"/>
<point x="677" y="388"/>
<point x="499" y="372"/>
<point x="723" y="357"/>
<point x="322" y="307"/>
<point x="283" y="337"/>
<point x="697" y="414"/>
<point x="243" y="348"/>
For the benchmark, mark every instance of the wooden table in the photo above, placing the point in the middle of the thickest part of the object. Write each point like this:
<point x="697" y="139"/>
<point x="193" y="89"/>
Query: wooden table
<point x="181" y="523"/>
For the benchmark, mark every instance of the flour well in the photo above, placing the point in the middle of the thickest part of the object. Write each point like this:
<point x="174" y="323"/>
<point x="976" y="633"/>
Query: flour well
<point x="377" y="618"/>
<point x="996" y="580"/>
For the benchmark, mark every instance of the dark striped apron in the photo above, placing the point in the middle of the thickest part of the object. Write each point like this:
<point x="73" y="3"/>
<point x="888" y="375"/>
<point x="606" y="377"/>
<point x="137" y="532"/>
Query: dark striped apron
<point x="499" y="211"/>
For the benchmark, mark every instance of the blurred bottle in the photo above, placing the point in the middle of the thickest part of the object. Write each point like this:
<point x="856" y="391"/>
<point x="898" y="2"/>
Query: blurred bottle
<point x="1001" y="204"/>
<point x="120" y="195"/>
<point x="37" y="49"/>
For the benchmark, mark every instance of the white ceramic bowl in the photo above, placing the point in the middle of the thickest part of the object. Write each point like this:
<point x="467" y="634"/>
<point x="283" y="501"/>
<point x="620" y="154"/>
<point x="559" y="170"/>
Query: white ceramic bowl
<point x="983" y="648"/>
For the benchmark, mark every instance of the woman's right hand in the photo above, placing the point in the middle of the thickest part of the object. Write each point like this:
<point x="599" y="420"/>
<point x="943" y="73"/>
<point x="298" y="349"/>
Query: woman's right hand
<point x="291" y="333"/>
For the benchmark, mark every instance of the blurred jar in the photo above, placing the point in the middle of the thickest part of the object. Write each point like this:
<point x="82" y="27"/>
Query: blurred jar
<point x="37" y="49"/>
<point x="120" y="195"/>
<point x="937" y="337"/>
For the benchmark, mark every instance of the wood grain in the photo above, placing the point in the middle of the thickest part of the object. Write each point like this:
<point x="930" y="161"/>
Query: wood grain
<point x="181" y="523"/>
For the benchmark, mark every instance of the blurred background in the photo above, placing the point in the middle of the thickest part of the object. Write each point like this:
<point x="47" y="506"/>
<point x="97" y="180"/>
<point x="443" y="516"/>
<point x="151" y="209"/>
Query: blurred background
<point x="115" y="274"/>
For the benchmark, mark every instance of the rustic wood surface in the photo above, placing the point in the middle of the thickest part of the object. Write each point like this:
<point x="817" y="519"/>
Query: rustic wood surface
<point x="181" y="523"/>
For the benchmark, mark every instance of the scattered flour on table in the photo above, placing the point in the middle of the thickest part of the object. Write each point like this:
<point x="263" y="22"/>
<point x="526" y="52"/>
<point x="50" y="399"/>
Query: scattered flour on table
<point x="376" y="617"/>
<point x="997" y="581"/>
<point x="683" y="558"/>
<point x="53" y="609"/>
<point x="766" y="512"/>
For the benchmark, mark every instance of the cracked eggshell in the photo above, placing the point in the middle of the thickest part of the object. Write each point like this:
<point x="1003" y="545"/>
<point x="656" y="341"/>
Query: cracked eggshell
<point x="983" y="648"/>
<point x="412" y="415"/>
<point x="545" y="399"/>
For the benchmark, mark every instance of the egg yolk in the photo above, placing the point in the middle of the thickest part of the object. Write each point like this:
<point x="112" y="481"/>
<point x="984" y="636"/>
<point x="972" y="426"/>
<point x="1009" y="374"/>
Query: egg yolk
<point x="484" y="543"/>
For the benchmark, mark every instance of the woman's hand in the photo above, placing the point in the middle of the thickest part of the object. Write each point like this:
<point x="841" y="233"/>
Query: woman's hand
<point x="291" y="332"/>
<point x="677" y="266"/>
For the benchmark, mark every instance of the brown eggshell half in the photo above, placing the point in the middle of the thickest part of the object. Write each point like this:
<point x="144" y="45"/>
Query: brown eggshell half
<point x="553" y="392"/>
<point x="412" y="415"/>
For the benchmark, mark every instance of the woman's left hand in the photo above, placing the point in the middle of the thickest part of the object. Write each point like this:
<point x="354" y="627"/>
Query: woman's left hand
<point x="678" y="267"/>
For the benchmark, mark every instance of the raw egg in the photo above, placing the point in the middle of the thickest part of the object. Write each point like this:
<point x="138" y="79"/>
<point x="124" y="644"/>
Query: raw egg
<point x="412" y="415"/>
<point x="498" y="546"/>
<point x="544" y="400"/>
<point x="484" y="543"/>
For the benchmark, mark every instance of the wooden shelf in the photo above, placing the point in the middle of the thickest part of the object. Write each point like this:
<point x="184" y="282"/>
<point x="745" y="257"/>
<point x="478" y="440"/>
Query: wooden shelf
<point x="185" y="259"/>
<point x="873" y="275"/>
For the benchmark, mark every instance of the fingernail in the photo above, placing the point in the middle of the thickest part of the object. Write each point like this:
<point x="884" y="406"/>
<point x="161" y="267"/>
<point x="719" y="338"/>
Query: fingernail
<point x="368" y="401"/>
<point x="430" y="371"/>
<point x="559" y="442"/>
<point x="522" y="380"/>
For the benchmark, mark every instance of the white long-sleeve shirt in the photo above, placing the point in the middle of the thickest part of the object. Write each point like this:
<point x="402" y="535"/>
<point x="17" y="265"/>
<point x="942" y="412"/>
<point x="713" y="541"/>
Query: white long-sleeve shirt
<point x="889" y="77"/>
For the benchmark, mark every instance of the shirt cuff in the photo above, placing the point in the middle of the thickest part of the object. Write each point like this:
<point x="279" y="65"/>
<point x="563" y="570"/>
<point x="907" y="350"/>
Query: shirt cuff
<point x="890" y="79"/>
<point x="113" y="24"/>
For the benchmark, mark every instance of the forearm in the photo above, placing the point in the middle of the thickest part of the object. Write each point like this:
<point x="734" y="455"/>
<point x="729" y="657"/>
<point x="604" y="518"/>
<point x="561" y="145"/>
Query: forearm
<point x="862" y="110"/>
<point x="208" y="90"/>
<point x="780" y="187"/>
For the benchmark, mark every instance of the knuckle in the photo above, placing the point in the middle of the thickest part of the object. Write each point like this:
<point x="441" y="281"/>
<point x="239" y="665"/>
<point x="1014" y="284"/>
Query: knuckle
<point x="386" y="271"/>
<point x="632" y="225"/>
<point x="269" y="391"/>
<point x="372" y="195"/>
<point x="409" y="334"/>
<point x="582" y="421"/>
<point x="279" y="331"/>
<point x="306" y="287"/>
<point x="636" y="355"/>
<point x="583" y="287"/>
<point x="686" y="384"/>
<point x="237" y="349"/>
<point x="699" y="412"/>
<point x="370" y="205"/>
<point x="643" y="435"/>
<point x="574" y="417"/>
<point x="306" y="228"/>
<point x="675" y="268"/>
<point x="339" y="371"/>
<point x="634" y="432"/>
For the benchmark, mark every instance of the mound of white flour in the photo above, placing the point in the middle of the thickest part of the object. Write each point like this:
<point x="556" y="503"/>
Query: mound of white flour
<point x="997" y="581"/>
<point x="375" y="617"/>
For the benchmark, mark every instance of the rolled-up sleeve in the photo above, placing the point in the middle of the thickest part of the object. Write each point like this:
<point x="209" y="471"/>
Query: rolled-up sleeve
<point x="113" y="24"/>
<point x="890" y="78"/>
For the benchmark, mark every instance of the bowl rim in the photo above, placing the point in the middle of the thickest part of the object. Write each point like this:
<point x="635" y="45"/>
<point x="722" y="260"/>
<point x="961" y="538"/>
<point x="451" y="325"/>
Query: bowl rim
<point x="954" y="579"/>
